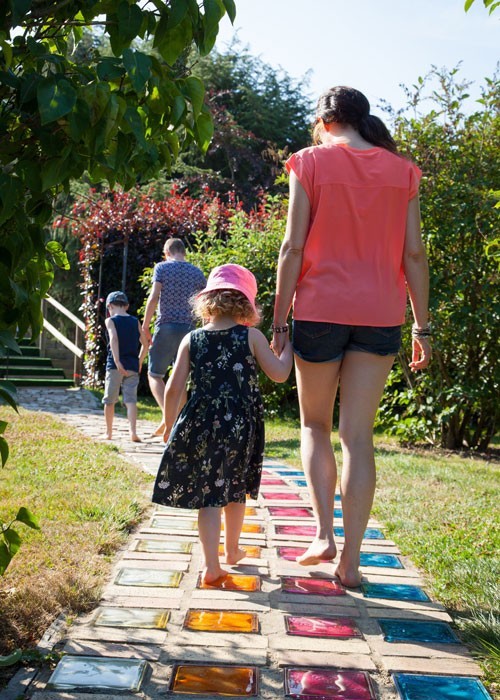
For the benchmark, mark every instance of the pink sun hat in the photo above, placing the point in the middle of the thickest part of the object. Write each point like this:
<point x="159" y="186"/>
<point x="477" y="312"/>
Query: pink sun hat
<point x="233" y="276"/>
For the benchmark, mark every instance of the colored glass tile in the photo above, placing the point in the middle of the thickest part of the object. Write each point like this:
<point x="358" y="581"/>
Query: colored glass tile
<point x="301" y="483"/>
<point x="280" y="496"/>
<point x="302" y="530"/>
<point x="417" y="631"/>
<point x="314" y="626"/>
<point x="249" y="510"/>
<point x="248" y="527"/>
<point x="97" y="673"/>
<point x="325" y="683"/>
<point x="290" y="512"/>
<point x="389" y="561"/>
<point x="371" y="533"/>
<point x="394" y="591"/>
<point x="337" y="513"/>
<point x="290" y="553"/>
<point x="233" y="582"/>
<point x="163" y="547"/>
<point x="221" y="621"/>
<point x="252" y="551"/>
<point x="289" y="472"/>
<point x="338" y="498"/>
<point x="270" y="481"/>
<point x="163" y="523"/>
<point x="311" y="586"/>
<point x="214" y="680"/>
<point x="177" y="512"/>
<point x="148" y="577"/>
<point x="419" y="687"/>
<point x="145" y="618"/>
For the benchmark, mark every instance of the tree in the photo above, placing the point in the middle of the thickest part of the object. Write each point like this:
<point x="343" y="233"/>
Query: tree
<point x="64" y="112"/>
<point x="491" y="4"/>
<point x="455" y="403"/>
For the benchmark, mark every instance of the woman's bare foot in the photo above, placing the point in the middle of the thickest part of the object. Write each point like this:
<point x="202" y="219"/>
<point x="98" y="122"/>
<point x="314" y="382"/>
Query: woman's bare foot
<point x="158" y="432"/>
<point x="211" y="576"/>
<point x="106" y="436"/>
<point x="319" y="551"/>
<point x="135" y="438"/>
<point x="347" y="577"/>
<point x="235" y="557"/>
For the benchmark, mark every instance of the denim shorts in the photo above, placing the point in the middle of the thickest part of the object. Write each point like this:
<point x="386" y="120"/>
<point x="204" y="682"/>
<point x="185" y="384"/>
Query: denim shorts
<point x="316" y="341"/>
<point x="163" y="351"/>
<point x="114" y="380"/>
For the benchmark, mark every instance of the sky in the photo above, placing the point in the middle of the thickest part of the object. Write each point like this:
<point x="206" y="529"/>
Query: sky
<point x="372" y="45"/>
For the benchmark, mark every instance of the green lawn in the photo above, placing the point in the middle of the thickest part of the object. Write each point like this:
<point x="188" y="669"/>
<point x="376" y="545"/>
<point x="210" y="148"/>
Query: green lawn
<point x="442" y="511"/>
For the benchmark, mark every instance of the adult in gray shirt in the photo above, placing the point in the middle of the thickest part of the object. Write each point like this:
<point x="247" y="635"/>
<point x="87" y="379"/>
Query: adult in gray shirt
<point x="175" y="281"/>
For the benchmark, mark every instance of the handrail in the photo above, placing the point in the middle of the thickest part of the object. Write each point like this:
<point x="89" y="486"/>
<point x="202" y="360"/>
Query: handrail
<point x="66" y="312"/>
<point x="62" y="339"/>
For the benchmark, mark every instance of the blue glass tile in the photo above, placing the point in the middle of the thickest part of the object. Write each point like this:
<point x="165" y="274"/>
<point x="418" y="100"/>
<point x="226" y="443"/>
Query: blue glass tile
<point x="337" y="513"/>
<point x="393" y="591"/>
<point x="417" y="631"/>
<point x="389" y="561"/>
<point x="417" y="687"/>
<point x="289" y="472"/>
<point x="338" y="498"/>
<point x="371" y="533"/>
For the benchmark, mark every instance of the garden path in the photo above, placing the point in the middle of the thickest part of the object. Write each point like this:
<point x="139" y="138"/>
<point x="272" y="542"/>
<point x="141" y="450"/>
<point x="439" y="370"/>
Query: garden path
<point x="274" y="630"/>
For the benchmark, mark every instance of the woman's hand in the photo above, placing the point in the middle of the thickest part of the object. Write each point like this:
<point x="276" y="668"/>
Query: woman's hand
<point x="279" y="342"/>
<point x="421" y="354"/>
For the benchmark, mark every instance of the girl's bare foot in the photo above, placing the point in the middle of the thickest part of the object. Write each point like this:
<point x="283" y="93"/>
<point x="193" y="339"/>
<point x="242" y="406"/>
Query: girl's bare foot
<point x="135" y="438"/>
<point x="106" y="436"/>
<point x="211" y="576"/>
<point x="235" y="557"/>
<point x="319" y="551"/>
<point x="347" y="577"/>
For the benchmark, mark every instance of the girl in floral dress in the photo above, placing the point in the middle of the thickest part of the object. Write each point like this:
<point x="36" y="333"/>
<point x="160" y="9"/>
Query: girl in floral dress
<point x="214" y="452"/>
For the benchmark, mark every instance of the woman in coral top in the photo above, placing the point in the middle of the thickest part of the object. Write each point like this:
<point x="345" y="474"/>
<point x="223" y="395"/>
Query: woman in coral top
<point x="352" y="248"/>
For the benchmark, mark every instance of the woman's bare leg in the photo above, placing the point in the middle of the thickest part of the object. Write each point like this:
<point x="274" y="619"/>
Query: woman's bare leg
<point x="317" y="386"/>
<point x="209" y="532"/>
<point x="362" y="380"/>
<point x="234" y="514"/>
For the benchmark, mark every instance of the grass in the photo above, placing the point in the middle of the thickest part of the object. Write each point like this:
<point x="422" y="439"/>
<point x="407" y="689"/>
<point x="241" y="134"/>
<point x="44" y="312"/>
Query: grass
<point x="442" y="511"/>
<point x="86" y="498"/>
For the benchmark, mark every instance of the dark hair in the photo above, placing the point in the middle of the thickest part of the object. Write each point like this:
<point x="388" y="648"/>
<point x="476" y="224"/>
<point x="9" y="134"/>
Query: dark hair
<point x="345" y="105"/>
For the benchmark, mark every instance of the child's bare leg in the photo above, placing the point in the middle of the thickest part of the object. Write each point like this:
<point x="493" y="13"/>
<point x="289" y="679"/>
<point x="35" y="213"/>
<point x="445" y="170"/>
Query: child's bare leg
<point x="209" y="531"/>
<point x="234" y="514"/>
<point x="132" y="419"/>
<point x="109" y="414"/>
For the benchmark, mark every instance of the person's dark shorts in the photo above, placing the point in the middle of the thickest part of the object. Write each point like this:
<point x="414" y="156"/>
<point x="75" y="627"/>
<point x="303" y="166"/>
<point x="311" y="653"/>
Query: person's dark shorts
<point x="163" y="350"/>
<point x="316" y="341"/>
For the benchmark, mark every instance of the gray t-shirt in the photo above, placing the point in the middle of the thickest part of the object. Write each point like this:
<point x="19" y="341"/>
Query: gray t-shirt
<point x="179" y="282"/>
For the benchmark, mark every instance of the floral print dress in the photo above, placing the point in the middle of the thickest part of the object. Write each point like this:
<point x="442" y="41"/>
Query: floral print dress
<point x="215" y="451"/>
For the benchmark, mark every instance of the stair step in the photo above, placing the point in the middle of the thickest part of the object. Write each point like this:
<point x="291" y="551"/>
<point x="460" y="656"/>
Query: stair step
<point x="29" y="351"/>
<point x="30" y="371"/>
<point x="24" y="360"/>
<point x="36" y="381"/>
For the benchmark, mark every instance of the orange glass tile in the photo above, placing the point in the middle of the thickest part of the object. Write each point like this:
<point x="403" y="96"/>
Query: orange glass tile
<point x="248" y="527"/>
<point x="233" y="582"/>
<point x="252" y="551"/>
<point x="215" y="680"/>
<point x="249" y="510"/>
<point x="221" y="621"/>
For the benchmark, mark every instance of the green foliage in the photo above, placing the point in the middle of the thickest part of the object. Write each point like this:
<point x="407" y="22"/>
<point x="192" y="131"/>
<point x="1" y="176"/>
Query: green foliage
<point x="490" y="5"/>
<point x="455" y="402"/>
<point x="11" y="540"/>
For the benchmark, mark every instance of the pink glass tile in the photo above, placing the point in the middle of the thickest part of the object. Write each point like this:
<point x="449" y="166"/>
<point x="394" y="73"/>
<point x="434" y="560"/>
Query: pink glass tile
<point x="322" y="684"/>
<point x="280" y="496"/>
<point x="313" y="626"/>
<point x="290" y="553"/>
<point x="290" y="512"/>
<point x="306" y="530"/>
<point x="269" y="481"/>
<point x="311" y="586"/>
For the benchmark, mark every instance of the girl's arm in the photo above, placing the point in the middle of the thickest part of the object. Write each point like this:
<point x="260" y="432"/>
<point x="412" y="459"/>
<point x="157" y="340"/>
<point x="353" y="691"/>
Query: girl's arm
<point x="416" y="272"/>
<point x="290" y="257"/>
<point x="175" y="386"/>
<point x="276" y="367"/>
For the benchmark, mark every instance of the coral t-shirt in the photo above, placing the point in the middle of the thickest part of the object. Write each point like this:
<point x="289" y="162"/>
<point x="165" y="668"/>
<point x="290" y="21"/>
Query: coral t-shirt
<point x="352" y="267"/>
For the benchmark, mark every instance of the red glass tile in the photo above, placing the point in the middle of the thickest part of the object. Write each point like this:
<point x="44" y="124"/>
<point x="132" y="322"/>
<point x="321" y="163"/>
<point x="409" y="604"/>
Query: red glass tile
<point x="290" y="553"/>
<point x="311" y="586"/>
<point x="303" y="530"/>
<point x="290" y="512"/>
<point x="323" y="684"/>
<point x="280" y="496"/>
<point x="313" y="626"/>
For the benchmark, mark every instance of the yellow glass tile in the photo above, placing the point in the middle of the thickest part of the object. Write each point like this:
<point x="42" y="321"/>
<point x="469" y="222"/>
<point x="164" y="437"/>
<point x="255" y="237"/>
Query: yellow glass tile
<point x="233" y="582"/>
<point x="248" y="527"/>
<point x="250" y="511"/>
<point x="221" y="621"/>
<point x="252" y="551"/>
<point x="215" y="680"/>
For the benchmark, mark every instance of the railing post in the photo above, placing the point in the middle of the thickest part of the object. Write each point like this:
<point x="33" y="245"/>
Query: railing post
<point x="42" y="337"/>
<point x="77" y="364"/>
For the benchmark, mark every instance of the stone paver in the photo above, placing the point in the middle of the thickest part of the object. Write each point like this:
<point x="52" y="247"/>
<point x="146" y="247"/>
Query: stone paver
<point x="271" y="649"/>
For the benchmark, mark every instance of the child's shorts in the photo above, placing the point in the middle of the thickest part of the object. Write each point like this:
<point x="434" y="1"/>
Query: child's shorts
<point x="315" y="341"/>
<point x="112" y="383"/>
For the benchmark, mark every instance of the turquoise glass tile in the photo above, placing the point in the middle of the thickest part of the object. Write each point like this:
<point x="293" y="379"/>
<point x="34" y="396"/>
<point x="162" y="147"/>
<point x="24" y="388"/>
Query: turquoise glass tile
<point x="338" y="498"/>
<point x="389" y="561"/>
<point x="371" y="533"/>
<point x="417" y="631"/>
<point x="299" y="482"/>
<point x="419" y="687"/>
<point x="289" y="472"/>
<point x="337" y="513"/>
<point x="97" y="673"/>
<point x="394" y="591"/>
